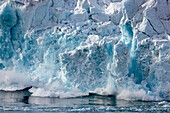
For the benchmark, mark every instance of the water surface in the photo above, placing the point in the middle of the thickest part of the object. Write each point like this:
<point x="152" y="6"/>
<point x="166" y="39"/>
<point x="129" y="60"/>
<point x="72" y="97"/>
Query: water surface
<point x="22" y="102"/>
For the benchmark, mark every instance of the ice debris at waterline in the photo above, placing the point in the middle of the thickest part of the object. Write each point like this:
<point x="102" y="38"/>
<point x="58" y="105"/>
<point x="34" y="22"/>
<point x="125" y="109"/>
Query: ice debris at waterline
<point x="67" y="48"/>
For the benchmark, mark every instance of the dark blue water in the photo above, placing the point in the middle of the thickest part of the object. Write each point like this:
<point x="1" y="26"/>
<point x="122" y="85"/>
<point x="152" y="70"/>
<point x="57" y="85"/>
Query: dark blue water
<point x="22" y="102"/>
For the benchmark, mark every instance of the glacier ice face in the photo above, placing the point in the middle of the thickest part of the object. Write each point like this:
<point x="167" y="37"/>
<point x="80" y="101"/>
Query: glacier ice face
<point x="105" y="46"/>
<point x="8" y="20"/>
<point x="146" y="30"/>
<point x="88" y="63"/>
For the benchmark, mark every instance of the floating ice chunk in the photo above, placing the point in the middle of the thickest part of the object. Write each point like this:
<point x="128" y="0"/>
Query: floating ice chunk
<point x="111" y="109"/>
<point x="101" y="108"/>
<point x="80" y="110"/>
<point x="163" y="103"/>
<point x="166" y="106"/>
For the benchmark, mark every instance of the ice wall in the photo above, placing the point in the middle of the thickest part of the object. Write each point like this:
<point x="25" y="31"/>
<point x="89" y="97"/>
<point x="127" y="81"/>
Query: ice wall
<point x="67" y="46"/>
<point x="144" y="33"/>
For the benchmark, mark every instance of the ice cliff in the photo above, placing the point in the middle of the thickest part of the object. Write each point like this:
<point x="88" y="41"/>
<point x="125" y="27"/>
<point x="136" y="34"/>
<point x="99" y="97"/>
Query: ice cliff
<point x="67" y="48"/>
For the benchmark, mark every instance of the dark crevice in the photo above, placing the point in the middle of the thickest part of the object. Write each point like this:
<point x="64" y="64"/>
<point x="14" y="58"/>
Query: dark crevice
<point x="43" y="18"/>
<point x="11" y="30"/>
<point x="20" y="3"/>
<point x="1" y="66"/>
<point x="152" y="25"/>
<point x="143" y="33"/>
<point x="52" y="3"/>
<point x="32" y="20"/>
<point x="166" y="19"/>
<point x="11" y="38"/>
<point x="163" y="25"/>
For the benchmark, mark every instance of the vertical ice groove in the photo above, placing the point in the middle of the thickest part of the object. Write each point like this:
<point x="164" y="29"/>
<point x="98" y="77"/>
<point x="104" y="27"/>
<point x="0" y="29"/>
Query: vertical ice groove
<point x="130" y="41"/>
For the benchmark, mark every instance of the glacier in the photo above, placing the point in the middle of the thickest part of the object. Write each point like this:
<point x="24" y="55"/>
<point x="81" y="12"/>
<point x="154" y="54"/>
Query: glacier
<point x="67" y="48"/>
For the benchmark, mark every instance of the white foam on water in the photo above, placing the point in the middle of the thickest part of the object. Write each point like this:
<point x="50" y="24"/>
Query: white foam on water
<point x="11" y="80"/>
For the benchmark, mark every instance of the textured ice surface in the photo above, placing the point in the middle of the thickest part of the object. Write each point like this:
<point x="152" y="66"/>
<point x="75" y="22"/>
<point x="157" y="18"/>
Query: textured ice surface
<point x="107" y="46"/>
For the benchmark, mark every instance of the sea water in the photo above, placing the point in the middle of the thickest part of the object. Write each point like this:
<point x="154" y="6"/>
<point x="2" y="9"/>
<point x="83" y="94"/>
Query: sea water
<point x="68" y="48"/>
<point x="22" y="102"/>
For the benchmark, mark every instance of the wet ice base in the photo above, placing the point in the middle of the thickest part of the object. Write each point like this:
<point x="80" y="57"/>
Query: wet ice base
<point x="22" y="102"/>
